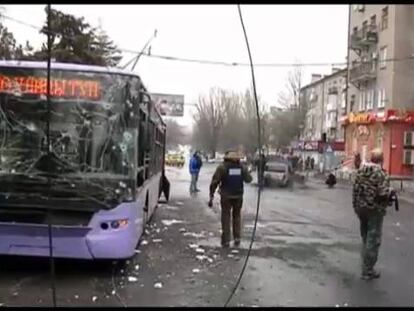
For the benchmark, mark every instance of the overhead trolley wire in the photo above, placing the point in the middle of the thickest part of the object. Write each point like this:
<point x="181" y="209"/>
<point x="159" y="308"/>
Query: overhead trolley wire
<point x="228" y="64"/>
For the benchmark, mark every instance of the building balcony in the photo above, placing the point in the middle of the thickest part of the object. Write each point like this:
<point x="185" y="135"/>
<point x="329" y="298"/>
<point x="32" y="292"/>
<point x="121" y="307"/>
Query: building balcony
<point x="365" y="71"/>
<point x="364" y="37"/>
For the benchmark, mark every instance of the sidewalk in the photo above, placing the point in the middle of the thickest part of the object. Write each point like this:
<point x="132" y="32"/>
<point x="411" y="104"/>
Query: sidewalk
<point x="406" y="194"/>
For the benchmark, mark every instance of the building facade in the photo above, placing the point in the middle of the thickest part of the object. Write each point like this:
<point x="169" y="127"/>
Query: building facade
<point x="323" y="136"/>
<point x="380" y="110"/>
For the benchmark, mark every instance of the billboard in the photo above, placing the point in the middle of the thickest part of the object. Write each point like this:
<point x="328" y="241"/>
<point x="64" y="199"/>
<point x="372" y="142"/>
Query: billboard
<point x="169" y="104"/>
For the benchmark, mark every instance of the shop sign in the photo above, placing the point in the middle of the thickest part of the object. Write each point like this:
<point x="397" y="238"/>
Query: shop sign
<point x="400" y="115"/>
<point x="362" y="118"/>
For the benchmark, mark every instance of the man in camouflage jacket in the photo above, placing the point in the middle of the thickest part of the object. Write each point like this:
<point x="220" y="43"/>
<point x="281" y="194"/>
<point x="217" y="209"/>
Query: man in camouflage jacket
<point x="370" y="195"/>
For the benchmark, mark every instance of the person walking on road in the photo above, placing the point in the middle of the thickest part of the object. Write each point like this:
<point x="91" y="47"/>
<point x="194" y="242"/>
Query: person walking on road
<point x="195" y="166"/>
<point x="357" y="160"/>
<point x="312" y="163"/>
<point x="370" y="197"/>
<point x="230" y="176"/>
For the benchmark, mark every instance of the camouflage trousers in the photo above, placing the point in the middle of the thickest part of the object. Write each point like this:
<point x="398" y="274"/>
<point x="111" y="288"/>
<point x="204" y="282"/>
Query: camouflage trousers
<point x="371" y="232"/>
<point x="230" y="207"/>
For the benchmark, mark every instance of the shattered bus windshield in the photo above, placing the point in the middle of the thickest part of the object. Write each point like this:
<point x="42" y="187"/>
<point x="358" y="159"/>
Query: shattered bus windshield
<point x="89" y="128"/>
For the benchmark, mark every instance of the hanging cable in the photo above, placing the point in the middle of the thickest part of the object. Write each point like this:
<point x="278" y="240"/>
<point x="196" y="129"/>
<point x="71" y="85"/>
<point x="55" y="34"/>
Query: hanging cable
<point x="49" y="56"/>
<point x="259" y="146"/>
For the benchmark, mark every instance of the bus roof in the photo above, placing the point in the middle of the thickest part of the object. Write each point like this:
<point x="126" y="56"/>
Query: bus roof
<point x="65" y="66"/>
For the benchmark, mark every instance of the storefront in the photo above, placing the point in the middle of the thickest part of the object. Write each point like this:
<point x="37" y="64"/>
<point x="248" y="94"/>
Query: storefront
<point x="327" y="155"/>
<point x="390" y="130"/>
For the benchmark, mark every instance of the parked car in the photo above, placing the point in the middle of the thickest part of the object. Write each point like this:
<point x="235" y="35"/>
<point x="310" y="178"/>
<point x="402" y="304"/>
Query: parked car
<point x="277" y="173"/>
<point x="174" y="160"/>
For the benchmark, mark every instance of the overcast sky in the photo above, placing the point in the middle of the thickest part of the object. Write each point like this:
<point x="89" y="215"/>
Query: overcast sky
<point x="277" y="34"/>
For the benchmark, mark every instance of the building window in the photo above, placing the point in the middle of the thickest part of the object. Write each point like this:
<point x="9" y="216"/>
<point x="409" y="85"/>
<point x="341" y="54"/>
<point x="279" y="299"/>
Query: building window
<point x="381" y="98"/>
<point x="361" y="106"/>
<point x="343" y="101"/>
<point x="370" y="99"/>
<point x="352" y="103"/>
<point x="373" y="20"/>
<point x="384" y="18"/>
<point x="383" y="57"/>
<point x="364" y="28"/>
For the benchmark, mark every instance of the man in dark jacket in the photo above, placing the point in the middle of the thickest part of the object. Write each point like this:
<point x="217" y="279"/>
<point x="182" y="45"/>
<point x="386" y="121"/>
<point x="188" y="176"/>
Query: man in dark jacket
<point x="230" y="176"/>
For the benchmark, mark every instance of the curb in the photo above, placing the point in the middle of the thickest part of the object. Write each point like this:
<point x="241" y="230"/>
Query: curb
<point x="404" y="196"/>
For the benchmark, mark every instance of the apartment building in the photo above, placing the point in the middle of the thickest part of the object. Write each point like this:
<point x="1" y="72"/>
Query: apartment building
<point x="380" y="110"/>
<point x="326" y="101"/>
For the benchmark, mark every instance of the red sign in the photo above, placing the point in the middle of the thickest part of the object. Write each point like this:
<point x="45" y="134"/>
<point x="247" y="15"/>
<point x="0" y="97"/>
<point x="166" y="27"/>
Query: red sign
<point x="88" y="89"/>
<point x="400" y="115"/>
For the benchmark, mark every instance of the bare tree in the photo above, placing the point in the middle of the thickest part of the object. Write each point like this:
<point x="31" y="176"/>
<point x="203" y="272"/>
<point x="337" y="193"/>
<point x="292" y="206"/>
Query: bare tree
<point x="209" y="119"/>
<point x="175" y="134"/>
<point x="286" y="124"/>
<point x="232" y="134"/>
<point x="250" y="118"/>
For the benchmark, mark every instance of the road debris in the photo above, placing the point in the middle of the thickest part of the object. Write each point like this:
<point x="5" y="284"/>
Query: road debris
<point x="132" y="279"/>
<point x="193" y="234"/>
<point x="158" y="285"/>
<point x="167" y="222"/>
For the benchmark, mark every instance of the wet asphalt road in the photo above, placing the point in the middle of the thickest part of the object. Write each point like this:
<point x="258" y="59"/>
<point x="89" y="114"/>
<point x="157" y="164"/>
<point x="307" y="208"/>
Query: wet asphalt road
<point x="306" y="254"/>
